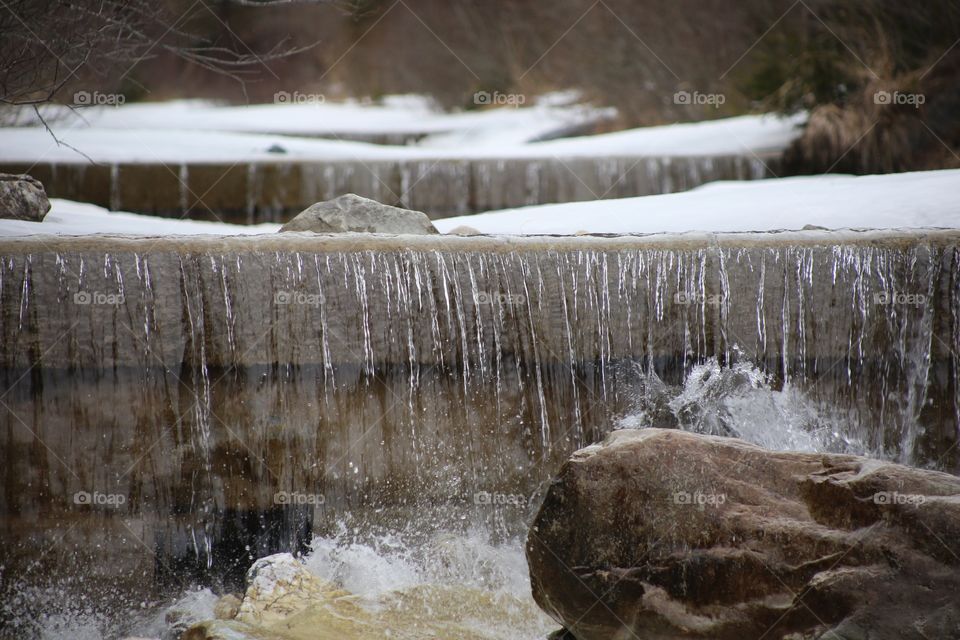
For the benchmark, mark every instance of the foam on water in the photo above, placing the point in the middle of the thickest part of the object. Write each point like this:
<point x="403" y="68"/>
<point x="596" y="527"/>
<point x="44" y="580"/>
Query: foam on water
<point x="455" y="585"/>
<point x="452" y="582"/>
<point x="409" y="584"/>
<point x="74" y="608"/>
<point x="194" y="605"/>
<point x="373" y="564"/>
<point x="370" y="568"/>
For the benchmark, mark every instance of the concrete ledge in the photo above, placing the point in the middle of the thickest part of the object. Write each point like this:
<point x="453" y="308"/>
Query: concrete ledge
<point x="303" y="241"/>
<point x="347" y="299"/>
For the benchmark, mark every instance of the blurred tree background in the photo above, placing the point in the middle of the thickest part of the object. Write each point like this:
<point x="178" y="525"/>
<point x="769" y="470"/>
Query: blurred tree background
<point x="835" y="59"/>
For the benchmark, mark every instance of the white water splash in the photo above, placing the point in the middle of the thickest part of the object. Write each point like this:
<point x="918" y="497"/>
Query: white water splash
<point x="740" y="400"/>
<point x="461" y="578"/>
<point x="374" y="564"/>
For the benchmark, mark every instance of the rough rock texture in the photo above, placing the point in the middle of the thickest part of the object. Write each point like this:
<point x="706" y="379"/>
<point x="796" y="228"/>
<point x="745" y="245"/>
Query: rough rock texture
<point x="284" y="601"/>
<point x="225" y="630"/>
<point x="352" y="213"/>
<point x="279" y="586"/>
<point x="227" y="607"/>
<point x="22" y="197"/>
<point x="463" y="230"/>
<point x="660" y="533"/>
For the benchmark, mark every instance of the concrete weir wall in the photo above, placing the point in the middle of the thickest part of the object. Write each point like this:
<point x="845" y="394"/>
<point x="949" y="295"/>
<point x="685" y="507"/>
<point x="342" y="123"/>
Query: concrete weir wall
<point x="275" y="191"/>
<point x="201" y="376"/>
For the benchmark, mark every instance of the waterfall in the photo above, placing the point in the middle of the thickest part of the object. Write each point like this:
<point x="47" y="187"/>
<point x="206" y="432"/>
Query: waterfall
<point x="200" y="379"/>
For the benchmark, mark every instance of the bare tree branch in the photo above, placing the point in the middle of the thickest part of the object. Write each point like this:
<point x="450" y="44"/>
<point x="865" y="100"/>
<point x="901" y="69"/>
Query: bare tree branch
<point x="47" y="45"/>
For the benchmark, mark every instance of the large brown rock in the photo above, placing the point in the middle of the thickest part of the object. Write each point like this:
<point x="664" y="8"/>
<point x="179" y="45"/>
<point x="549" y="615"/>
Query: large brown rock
<point x="353" y="213"/>
<point x="22" y="197"/>
<point x="660" y="533"/>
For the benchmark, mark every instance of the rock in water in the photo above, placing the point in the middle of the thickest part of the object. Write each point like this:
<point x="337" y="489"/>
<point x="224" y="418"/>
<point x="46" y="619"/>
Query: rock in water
<point x="352" y="213"/>
<point x="22" y="197"/>
<point x="463" y="230"/>
<point x="658" y="533"/>
<point x="227" y="607"/>
<point x="279" y="586"/>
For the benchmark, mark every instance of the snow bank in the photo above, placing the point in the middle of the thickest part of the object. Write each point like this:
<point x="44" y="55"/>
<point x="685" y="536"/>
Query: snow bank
<point x="741" y="135"/>
<point x="907" y="200"/>
<point x="307" y="115"/>
<point x="175" y="147"/>
<point x="179" y="132"/>
<point x="68" y="218"/>
<point x="898" y="201"/>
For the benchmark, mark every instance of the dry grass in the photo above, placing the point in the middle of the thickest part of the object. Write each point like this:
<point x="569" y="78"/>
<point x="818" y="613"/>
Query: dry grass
<point x="865" y="135"/>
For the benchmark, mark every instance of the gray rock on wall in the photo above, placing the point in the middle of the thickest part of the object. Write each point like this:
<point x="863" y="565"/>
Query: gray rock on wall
<point x="22" y="197"/>
<point x="353" y="213"/>
<point x="664" y="534"/>
<point x="463" y="230"/>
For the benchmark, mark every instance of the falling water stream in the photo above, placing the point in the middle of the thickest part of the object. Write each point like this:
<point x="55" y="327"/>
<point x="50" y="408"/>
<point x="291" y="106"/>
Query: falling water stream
<point x="393" y="412"/>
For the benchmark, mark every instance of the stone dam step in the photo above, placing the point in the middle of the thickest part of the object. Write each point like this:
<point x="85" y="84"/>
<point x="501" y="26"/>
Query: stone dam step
<point x="253" y="192"/>
<point x="334" y="310"/>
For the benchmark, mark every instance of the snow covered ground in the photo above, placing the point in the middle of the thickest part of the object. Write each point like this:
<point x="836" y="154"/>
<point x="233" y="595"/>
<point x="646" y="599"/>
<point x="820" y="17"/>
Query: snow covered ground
<point x="223" y="131"/>
<point x="308" y="115"/>
<point x="906" y="200"/>
<point x="69" y="218"/>
<point x="175" y="147"/>
<point x="898" y="201"/>
<point x="191" y="131"/>
<point x="743" y="135"/>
